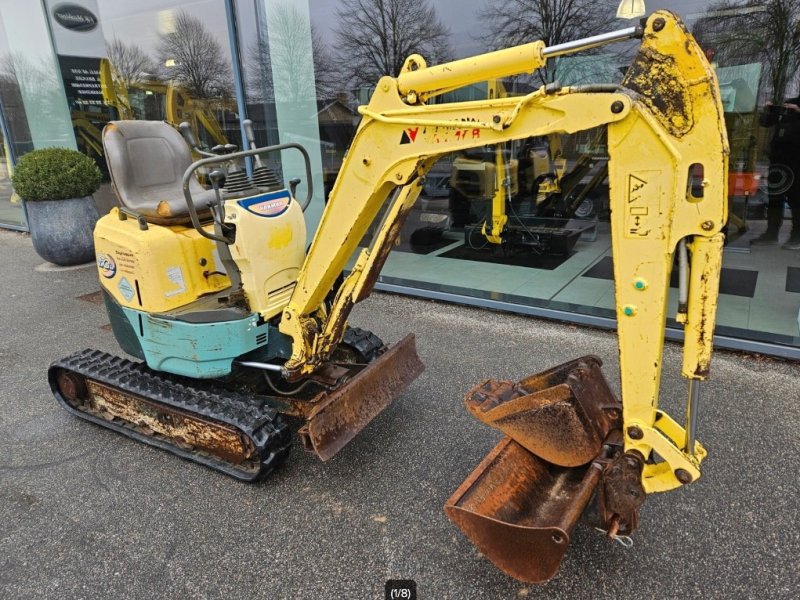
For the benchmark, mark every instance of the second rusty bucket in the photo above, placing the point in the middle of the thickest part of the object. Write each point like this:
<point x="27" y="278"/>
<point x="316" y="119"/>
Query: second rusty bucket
<point x="523" y="500"/>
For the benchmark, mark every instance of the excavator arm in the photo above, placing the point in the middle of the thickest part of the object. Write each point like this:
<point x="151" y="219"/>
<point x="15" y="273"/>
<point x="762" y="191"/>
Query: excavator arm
<point x="667" y="172"/>
<point x="392" y="151"/>
<point x="667" y="195"/>
<point x="666" y="116"/>
<point x="397" y="142"/>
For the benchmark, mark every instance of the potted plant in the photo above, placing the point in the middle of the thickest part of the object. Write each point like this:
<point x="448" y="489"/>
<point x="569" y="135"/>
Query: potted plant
<point x="57" y="185"/>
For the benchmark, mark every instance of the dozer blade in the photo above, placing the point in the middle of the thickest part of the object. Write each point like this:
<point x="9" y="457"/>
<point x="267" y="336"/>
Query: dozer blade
<point x="519" y="510"/>
<point x="561" y="415"/>
<point x="348" y="409"/>
<point x="521" y="503"/>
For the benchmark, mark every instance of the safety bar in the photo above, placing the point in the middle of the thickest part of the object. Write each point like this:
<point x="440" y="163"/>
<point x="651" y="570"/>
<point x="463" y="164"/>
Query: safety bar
<point x="187" y="176"/>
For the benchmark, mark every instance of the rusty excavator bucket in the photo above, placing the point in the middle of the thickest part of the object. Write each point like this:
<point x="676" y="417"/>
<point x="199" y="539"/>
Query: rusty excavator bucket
<point x="562" y="444"/>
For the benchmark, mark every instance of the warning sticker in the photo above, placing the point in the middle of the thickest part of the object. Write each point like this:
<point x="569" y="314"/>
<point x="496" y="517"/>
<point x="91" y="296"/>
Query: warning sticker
<point x="175" y="275"/>
<point x="126" y="289"/>
<point x="643" y="204"/>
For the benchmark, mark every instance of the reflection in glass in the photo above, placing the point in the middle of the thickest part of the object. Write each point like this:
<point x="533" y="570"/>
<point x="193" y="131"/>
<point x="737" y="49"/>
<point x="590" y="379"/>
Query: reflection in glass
<point x="374" y="37"/>
<point x="288" y="76"/>
<point x="443" y="241"/>
<point x="11" y="212"/>
<point x="30" y="75"/>
<point x="165" y="62"/>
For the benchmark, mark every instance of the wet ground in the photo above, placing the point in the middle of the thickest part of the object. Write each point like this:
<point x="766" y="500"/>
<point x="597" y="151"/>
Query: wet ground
<point x="87" y="514"/>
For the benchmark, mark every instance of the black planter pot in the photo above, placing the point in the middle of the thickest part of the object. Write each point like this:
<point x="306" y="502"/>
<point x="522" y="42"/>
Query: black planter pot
<point x="61" y="230"/>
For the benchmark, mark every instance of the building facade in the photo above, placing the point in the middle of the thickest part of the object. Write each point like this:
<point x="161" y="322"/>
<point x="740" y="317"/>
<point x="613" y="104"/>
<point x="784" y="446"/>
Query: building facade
<point x="299" y="70"/>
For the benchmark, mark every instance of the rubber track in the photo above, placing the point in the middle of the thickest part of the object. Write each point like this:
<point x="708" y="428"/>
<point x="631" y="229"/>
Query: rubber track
<point x="247" y="413"/>
<point x="366" y="343"/>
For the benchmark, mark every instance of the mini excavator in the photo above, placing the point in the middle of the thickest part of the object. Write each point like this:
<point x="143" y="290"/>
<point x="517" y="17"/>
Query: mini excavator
<point x="234" y="323"/>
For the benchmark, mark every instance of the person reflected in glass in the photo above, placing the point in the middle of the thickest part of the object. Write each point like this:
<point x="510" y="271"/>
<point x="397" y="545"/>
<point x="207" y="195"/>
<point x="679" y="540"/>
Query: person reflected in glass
<point x="784" y="171"/>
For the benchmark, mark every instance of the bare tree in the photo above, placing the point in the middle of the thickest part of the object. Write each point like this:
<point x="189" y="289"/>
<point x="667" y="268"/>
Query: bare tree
<point x="11" y="100"/>
<point x="193" y="58"/>
<point x="38" y="83"/>
<point x="376" y="36"/>
<point x="132" y="64"/>
<point x="286" y="28"/>
<point x="512" y="22"/>
<point x="326" y="70"/>
<point x="755" y="31"/>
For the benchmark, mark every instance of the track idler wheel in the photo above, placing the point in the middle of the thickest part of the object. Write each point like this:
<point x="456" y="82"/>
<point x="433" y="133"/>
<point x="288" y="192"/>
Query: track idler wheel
<point x="72" y="386"/>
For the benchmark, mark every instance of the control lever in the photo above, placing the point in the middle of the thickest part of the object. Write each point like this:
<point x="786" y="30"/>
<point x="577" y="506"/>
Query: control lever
<point x="191" y="140"/>
<point x="216" y="176"/>
<point x="247" y="124"/>
<point x="188" y="134"/>
<point x="262" y="176"/>
<point x="237" y="181"/>
<point x="293" y="186"/>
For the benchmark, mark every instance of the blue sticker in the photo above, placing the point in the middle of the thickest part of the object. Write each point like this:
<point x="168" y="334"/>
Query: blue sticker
<point x="268" y="205"/>
<point x="107" y="266"/>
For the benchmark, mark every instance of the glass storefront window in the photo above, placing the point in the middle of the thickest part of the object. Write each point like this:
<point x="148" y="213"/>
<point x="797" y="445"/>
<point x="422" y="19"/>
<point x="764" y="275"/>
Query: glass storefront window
<point x="303" y="69"/>
<point x="31" y="97"/>
<point x="11" y="212"/>
<point x="284" y="82"/>
<point x="160" y="60"/>
<point x="155" y="60"/>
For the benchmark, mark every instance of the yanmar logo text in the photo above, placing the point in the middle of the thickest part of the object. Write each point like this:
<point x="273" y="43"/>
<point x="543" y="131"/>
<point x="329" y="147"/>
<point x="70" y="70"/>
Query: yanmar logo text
<point x="442" y="135"/>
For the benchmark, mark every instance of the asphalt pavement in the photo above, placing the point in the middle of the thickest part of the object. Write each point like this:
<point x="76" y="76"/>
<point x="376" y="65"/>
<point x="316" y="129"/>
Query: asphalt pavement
<point x="86" y="513"/>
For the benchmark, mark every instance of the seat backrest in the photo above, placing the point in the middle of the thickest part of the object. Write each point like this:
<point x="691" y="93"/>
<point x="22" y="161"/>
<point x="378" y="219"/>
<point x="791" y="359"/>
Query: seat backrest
<point x="147" y="160"/>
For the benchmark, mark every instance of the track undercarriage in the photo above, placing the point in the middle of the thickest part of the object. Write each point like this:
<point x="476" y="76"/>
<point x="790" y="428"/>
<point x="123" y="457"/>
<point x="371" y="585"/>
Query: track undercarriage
<point x="236" y="425"/>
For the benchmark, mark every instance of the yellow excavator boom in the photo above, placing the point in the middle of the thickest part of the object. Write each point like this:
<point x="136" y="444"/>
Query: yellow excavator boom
<point x="668" y="175"/>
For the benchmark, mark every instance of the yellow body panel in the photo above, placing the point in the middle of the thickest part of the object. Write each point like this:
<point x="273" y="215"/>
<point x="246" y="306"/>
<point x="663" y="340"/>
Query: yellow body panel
<point x="269" y="251"/>
<point x="157" y="269"/>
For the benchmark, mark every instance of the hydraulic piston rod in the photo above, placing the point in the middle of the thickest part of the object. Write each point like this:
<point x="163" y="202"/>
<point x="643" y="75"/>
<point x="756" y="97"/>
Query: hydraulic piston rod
<point x="526" y="58"/>
<point x="594" y="41"/>
<point x="692" y="408"/>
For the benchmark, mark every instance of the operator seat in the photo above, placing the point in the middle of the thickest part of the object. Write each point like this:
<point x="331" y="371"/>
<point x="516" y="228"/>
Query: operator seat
<point x="147" y="160"/>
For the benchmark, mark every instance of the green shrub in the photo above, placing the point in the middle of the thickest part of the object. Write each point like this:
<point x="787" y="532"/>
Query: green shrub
<point x="55" y="174"/>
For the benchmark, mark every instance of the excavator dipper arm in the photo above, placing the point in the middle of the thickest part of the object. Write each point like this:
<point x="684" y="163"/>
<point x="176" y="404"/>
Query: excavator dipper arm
<point x="668" y="175"/>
